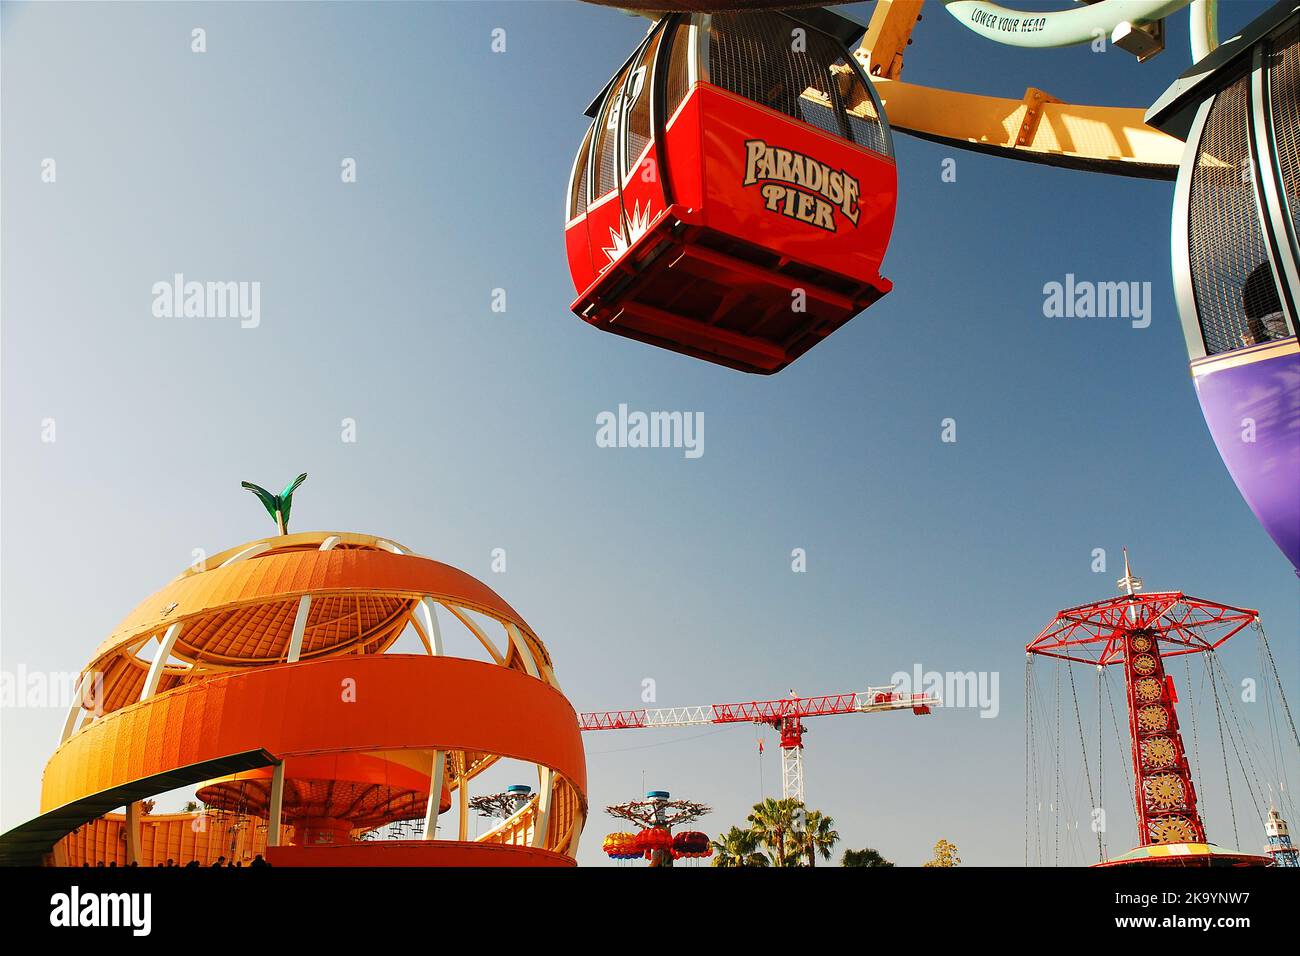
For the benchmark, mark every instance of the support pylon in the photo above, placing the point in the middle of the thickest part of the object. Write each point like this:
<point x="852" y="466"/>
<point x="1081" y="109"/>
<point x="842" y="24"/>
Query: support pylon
<point x="792" y="758"/>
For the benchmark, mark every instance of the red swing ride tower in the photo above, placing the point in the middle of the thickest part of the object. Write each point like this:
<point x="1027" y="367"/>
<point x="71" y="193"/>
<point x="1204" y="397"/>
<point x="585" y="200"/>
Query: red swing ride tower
<point x="1139" y="632"/>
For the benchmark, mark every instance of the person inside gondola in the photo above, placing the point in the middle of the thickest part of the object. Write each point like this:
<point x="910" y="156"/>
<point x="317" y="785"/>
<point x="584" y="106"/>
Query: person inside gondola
<point x="1259" y="300"/>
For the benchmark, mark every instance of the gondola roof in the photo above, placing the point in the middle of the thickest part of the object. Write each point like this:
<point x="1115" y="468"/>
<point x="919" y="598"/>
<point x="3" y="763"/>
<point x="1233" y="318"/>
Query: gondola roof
<point x="844" y="29"/>
<point x="1174" y="111"/>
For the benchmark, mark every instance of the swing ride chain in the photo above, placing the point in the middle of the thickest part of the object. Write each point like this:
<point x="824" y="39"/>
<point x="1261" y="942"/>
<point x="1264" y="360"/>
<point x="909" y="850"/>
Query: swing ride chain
<point x="1083" y="749"/>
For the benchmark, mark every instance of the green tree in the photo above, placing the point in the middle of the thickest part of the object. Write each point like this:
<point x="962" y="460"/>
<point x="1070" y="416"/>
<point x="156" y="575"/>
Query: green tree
<point x="814" y="835"/>
<point x="737" y="847"/>
<point x="945" y="854"/>
<point x="772" y="823"/>
<point x="867" y="857"/>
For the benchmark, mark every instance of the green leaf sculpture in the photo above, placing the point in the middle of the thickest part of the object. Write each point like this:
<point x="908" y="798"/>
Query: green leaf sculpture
<point x="277" y="506"/>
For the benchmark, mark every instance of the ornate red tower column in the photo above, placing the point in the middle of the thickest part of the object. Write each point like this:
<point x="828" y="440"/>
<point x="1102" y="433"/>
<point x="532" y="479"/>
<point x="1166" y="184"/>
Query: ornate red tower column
<point x="1165" y="796"/>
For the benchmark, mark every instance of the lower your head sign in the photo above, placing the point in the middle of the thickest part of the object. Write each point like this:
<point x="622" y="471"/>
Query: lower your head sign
<point x="799" y="186"/>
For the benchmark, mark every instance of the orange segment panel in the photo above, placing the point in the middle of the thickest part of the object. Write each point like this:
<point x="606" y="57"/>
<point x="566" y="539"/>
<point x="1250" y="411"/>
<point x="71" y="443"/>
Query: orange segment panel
<point x="293" y="573"/>
<point x="337" y="705"/>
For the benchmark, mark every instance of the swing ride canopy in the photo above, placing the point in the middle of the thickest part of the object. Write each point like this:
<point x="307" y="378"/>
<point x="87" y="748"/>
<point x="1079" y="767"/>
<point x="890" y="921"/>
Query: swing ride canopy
<point x="1094" y="633"/>
<point x="1183" y="854"/>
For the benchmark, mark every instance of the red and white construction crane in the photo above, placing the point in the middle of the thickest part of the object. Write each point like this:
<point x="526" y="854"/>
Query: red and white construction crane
<point x="786" y="715"/>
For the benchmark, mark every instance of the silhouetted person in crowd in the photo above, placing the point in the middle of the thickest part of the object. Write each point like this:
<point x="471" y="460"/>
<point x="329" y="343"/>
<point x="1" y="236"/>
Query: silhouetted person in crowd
<point x="258" y="862"/>
<point x="221" y="861"/>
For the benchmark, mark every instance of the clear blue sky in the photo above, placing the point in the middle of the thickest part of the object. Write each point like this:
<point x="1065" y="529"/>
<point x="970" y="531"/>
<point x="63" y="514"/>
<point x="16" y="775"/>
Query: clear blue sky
<point x="476" y="429"/>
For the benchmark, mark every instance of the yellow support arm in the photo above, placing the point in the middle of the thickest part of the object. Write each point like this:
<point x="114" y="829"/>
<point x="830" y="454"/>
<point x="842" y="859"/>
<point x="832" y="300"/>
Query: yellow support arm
<point x="1106" y="139"/>
<point x="888" y="34"/>
<point x="1036" y="128"/>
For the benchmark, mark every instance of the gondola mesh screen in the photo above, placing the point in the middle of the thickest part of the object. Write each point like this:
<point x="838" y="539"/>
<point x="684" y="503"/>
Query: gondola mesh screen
<point x="678" y="70"/>
<point x="606" y="141"/>
<point x="578" y="201"/>
<point x="1230" y="271"/>
<point x="1284" y="83"/>
<point x="639" y="94"/>
<point x="789" y="67"/>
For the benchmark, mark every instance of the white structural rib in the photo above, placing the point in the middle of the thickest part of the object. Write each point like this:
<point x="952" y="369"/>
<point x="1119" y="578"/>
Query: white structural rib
<point x="299" y="629"/>
<point x="160" y="660"/>
<point x="435" y="795"/>
<point x="426" y="619"/>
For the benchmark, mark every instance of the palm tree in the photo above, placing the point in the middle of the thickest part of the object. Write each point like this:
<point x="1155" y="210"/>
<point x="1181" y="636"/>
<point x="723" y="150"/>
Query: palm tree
<point x="867" y="857"/>
<point x="817" y="836"/>
<point x="737" y="847"/>
<point x="772" y="823"/>
<point x="277" y="506"/>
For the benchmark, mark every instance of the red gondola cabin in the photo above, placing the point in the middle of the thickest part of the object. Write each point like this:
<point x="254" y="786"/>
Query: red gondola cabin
<point x="734" y="196"/>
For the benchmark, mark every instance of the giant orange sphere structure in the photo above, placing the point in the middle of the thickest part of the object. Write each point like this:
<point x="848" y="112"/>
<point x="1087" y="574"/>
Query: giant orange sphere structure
<point x="264" y="676"/>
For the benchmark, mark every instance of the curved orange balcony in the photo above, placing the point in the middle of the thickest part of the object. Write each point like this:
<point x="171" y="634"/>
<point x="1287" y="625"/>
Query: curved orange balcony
<point x="259" y="717"/>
